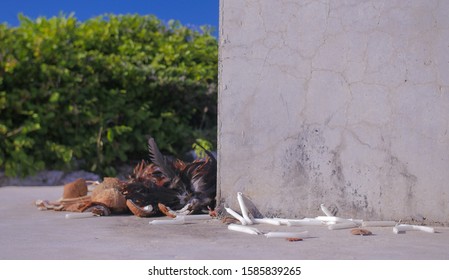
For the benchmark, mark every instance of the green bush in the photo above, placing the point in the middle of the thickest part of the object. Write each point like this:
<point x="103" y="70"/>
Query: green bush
<point x="88" y="94"/>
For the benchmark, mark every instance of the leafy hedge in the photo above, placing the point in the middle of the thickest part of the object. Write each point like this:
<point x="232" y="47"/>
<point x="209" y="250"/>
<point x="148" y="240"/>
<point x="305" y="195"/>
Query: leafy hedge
<point x="87" y="94"/>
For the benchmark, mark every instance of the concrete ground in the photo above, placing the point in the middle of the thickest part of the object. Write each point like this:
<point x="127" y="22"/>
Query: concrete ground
<point x="27" y="233"/>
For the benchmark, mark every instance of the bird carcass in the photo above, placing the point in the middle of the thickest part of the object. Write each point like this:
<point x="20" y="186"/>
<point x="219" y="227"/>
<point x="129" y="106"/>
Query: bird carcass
<point x="171" y="186"/>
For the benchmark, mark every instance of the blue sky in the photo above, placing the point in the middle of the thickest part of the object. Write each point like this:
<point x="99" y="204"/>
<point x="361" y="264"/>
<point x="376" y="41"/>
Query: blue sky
<point x="188" y="12"/>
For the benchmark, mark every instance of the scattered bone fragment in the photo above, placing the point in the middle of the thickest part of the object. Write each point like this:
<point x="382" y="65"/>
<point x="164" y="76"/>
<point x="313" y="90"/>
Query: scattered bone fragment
<point x="378" y="223"/>
<point x="300" y="222"/>
<point x="285" y="234"/>
<point x="402" y="228"/>
<point x="176" y="221"/>
<point x="195" y="217"/>
<point x="186" y="210"/>
<point x="304" y="222"/>
<point x="360" y="231"/>
<point x="267" y="221"/>
<point x="244" y="229"/>
<point x="244" y="209"/>
<point x="282" y="221"/>
<point x="326" y="211"/>
<point x="236" y="215"/>
<point x="335" y="220"/>
<point x="80" y="215"/>
<point x="342" y="226"/>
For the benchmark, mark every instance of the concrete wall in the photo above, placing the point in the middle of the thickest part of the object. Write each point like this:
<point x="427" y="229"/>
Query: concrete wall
<point x="338" y="102"/>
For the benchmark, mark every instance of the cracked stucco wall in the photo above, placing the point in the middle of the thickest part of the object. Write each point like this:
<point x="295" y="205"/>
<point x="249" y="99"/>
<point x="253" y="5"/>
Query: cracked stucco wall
<point x="338" y="102"/>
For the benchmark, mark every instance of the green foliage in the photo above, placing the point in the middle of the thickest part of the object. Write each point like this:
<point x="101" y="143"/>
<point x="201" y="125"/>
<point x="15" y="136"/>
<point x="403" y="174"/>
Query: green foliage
<point x="200" y="146"/>
<point x="88" y="94"/>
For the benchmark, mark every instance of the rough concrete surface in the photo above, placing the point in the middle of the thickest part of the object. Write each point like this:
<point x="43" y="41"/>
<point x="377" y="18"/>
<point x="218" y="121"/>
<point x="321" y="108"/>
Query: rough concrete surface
<point x="28" y="233"/>
<point x="336" y="102"/>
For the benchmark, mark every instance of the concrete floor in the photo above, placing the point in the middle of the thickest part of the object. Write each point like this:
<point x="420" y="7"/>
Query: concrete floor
<point x="28" y="233"/>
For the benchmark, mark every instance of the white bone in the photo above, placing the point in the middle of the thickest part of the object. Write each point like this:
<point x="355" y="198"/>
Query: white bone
<point x="244" y="209"/>
<point x="326" y="211"/>
<point x="236" y="215"/>
<point x="183" y="211"/>
<point x="179" y="220"/>
<point x="403" y="228"/>
<point x="278" y="234"/>
<point x="304" y="222"/>
<point x="245" y="229"/>
<point x="333" y="220"/>
<point x="342" y="226"/>
<point x="379" y="223"/>
<point x="195" y="217"/>
<point x="80" y="215"/>
<point x="267" y="221"/>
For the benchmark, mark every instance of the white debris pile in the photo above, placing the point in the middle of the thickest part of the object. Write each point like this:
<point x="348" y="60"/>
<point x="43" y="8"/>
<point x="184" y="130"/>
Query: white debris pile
<point x="248" y="222"/>
<point x="332" y="222"/>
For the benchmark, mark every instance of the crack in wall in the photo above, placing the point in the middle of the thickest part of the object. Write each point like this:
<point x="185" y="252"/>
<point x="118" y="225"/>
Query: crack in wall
<point x="352" y="87"/>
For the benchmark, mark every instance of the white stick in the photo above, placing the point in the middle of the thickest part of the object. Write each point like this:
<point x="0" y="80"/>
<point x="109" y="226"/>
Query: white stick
<point x="243" y="208"/>
<point x="267" y="221"/>
<point x="425" y="229"/>
<point x="80" y="215"/>
<point x="305" y="222"/>
<point x="278" y="234"/>
<point x="331" y="219"/>
<point x="379" y="223"/>
<point x="236" y="215"/>
<point x="179" y="220"/>
<point x="356" y="221"/>
<point x="403" y="228"/>
<point x="245" y="229"/>
<point x="334" y="220"/>
<point x="282" y="221"/>
<point x="341" y="226"/>
<point x="292" y="221"/>
<point x="195" y="217"/>
<point x="326" y="211"/>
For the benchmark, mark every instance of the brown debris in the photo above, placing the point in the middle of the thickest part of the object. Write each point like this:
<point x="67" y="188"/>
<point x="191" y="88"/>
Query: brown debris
<point x="75" y="204"/>
<point x="229" y="220"/>
<point x="47" y="205"/>
<point x="293" y="239"/>
<point x="137" y="210"/>
<point x="360" y="231"/>
<point x="212" y="212"/>
<point x="108" y="193"/>
<point x="77" y="188"/>
<point x="165" y="210"/>
<point x="97" y="208"/>
<point x="65" y="204"/>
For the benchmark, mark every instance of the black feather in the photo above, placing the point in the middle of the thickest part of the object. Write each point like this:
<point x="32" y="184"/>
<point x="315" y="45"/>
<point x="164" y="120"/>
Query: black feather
<point x="160" y="160"/>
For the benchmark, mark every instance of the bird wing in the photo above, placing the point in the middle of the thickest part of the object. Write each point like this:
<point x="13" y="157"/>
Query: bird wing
<point x="160" y="160"/>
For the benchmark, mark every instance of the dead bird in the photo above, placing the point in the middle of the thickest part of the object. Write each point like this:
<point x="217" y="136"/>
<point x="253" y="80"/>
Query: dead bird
<point x="186" y="188"/>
